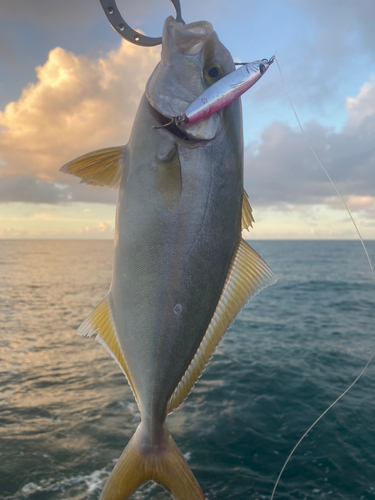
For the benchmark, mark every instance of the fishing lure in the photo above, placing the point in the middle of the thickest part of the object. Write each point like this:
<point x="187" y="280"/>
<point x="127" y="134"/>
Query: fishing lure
<point x="223" y="92"/>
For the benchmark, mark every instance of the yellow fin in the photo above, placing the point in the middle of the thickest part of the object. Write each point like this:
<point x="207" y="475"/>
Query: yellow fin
<point x="99" y="168"/>
<point x="247" y="216"/>
<point x="248" y="275"/>
<point x="163" y="464"/>
<point x="100" y="322"/>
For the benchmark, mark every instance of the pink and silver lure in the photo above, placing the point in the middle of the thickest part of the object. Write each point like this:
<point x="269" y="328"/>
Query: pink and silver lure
<point x="224" y="91"/>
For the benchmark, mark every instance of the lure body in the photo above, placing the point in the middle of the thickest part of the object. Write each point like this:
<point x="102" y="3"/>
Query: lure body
<point x="225" y="91"/>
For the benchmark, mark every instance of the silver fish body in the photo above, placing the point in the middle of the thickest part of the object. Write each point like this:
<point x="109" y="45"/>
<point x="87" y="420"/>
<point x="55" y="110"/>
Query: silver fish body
<point x="171" y="261"/>
<point x="181" y="269"/>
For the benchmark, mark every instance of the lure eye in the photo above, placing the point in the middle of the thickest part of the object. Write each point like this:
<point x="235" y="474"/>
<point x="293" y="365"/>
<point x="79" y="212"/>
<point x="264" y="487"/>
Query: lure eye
<point x="213" y="73"/>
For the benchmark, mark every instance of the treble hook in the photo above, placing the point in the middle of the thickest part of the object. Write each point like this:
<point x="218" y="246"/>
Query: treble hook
<point x="118" y="23"/>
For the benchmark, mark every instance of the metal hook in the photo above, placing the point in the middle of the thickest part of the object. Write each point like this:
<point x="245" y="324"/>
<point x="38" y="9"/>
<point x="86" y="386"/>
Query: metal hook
<point x="118" y="23"/>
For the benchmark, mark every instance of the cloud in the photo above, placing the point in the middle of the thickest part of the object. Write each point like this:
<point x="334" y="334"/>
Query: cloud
<point x="52" y="11"/>
<point x="352" y="16"/>
<point x="282" y="170"/>
<point x="101" y="230"/>
<point x="331" y="46"/>
<point x="12" y="233"/>
<point x="80" y="104"/>
<point x="76" y="106"/>
<point x="83" y="12"/>
<point x="28" y="189"/>
<point x="362" y="106"/>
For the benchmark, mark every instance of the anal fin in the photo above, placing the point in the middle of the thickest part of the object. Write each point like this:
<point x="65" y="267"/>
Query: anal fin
<point x="100" y="322"/>
<point x="248" y="274"/>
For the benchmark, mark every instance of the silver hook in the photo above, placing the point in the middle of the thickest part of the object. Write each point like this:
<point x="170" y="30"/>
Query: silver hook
<point x="118" y="23"/>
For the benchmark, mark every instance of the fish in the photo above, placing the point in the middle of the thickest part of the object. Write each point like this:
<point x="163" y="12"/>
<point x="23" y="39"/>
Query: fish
<point x="182" y="270"/>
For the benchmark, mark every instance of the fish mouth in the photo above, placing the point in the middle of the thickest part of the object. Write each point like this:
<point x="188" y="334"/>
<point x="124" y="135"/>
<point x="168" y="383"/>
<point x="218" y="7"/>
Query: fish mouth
<point x="178" y="131"/>
<point x="192" y="133"/>
<point x="199" y="132"/>
<point x="178" y="79"/>
<point x="190" y="38"/>
<point x="168" y="125"/>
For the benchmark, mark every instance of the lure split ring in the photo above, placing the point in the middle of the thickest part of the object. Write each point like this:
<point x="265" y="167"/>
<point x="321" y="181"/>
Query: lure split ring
<point x="118" y="23"/>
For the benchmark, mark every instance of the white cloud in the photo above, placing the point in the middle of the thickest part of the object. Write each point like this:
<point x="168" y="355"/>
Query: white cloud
<point x="77" y="105"/>
<point x="28" y="189"/>
<point x="281" y="169"/>
<point x="361" y="106"/>
<point x="80" y="104"/>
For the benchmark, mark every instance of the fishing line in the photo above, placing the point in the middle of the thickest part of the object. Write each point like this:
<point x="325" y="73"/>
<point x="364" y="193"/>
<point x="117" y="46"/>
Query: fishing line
<point x="372" y="272"/>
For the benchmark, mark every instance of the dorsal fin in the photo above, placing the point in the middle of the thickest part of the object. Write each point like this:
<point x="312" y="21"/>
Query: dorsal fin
<point x="248" y="274"/>
<point x="100" y="322"/>
<point x="247" y="216"/>
<point x="99" y="168"/>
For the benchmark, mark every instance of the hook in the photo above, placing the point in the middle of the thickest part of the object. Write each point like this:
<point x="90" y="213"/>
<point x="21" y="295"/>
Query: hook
<point x="118" y="23"/>
<point x="177" y="8"/>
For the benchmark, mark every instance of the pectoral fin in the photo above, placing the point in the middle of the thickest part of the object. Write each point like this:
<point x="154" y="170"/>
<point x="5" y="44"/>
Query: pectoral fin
<point x="100" y="322"/>
<point x="248" y="275"/>
<point x="104" y="167"/>
<point x="247" y="216"/>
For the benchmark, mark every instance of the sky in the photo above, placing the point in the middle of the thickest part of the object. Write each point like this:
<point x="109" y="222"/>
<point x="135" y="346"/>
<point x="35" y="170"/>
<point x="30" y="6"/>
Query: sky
<point x="69" y="85"/>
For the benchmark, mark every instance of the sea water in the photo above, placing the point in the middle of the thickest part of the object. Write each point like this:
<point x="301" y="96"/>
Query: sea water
<point x="66" y="411"/>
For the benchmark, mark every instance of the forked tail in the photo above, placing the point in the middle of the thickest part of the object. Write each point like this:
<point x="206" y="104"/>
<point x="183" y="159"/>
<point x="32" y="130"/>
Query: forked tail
<point x="164" y="464"/>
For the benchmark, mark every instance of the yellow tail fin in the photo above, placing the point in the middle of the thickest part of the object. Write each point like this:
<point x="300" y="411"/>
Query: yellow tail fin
<point x="163" y="464"/>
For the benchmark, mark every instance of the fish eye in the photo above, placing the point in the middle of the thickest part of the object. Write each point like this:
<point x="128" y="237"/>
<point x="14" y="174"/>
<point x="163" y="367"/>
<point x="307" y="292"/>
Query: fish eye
<point x="213" y="72"/>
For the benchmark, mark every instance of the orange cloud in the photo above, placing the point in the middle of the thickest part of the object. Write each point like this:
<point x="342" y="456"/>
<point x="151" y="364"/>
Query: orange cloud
<point x="10" y="232"/>
<point x="353" y="202"/>
<point x="77" y="105"/>
<point x="98" y="231"/>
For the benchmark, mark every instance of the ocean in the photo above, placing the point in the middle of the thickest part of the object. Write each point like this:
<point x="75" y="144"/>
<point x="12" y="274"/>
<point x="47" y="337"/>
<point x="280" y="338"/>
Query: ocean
<point x="66" y="411"/>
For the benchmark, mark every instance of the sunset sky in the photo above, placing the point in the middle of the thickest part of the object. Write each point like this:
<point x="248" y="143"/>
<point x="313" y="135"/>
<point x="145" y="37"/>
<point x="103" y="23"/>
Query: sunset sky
<point x="70" y="85"/>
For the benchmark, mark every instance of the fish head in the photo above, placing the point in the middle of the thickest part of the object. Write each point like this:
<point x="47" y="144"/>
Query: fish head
<point x="192" y="59"/>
